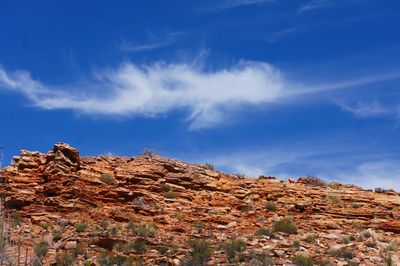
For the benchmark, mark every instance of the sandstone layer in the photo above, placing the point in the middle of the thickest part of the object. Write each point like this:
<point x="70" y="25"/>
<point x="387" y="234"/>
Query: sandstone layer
<point x="150" y="210"/>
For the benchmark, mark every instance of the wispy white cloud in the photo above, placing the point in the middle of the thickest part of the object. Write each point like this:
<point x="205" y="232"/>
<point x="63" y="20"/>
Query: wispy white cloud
<point x="275" y="36"/>
<point x="151" y="90"/>
<point x="371" y="109"/>
<point x="315" y="4"/>
<point x="153" y="42"/>
<point x="236" y="3"/>
<point x="209" y="96"/>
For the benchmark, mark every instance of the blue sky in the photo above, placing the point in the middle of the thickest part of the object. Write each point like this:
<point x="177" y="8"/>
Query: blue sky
<point x="283" y="88"/>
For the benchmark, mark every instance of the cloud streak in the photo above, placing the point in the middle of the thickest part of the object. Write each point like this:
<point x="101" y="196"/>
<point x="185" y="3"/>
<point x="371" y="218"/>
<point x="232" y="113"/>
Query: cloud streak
<point x="227" y="4"/>
<point x="314" y="4"/>
<point x="155" y="42"/>
<point x="155" y="89"/>
<point x="209" y="97"/>
<point x="371" y="110"/>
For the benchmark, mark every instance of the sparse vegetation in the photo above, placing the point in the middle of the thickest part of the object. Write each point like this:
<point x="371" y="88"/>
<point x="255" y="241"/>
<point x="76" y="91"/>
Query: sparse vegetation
<point x="146" y="230"/>
<point x="149" y="152"/>
<point x="107" y="179"/>
<point x="57" y="234"/>
<point x="393" y="246"/>
<point x="271" y="206"/>
<point x="80" y="227"/>
<point x="333" y="198"/>
<point x="310" y="239"/>
<point x="165" y="187"/>
<point x="104" y="224"/>
<point x="64" y="259"/>
<point x="296" y="244"/>
<point x="209" y="166"/>
<point x="344" y="252"/>
<point x="302" y="260"/>
<point x="108" y="259"/>
<point x="345" y="240"/>
<point x="170" y="195"/>
<point x="162" y="249"/>
<point x="139" y="245"/>
<point x="41" y="249"/>
<point x="200" y="251"/>
<point x="264" y="232"/>
<point x="371" y="244"/>
<point x="45" y="226"/>
<point x="285" y="225"/>
<point x="113" y="230"/>
<point x="356" y="205"/>
<point x="388" y="260"/>
<point x="334" y="185"/>
<point x="233" y="247"/>
<point x="314" y="181"/>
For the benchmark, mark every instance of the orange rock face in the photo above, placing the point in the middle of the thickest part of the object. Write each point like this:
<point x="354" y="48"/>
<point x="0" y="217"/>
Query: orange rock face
<point x="158" y="211"/>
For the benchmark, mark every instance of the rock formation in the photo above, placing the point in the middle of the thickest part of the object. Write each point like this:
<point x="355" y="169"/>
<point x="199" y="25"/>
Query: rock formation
<point x="156" y="211"/>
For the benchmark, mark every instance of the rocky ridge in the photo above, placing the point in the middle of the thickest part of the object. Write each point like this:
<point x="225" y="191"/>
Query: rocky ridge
<point x="150" y="210"/>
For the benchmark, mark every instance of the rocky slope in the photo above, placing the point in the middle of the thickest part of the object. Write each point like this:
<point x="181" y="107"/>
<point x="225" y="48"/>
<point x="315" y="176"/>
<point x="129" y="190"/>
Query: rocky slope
<point x="64" y="209"/>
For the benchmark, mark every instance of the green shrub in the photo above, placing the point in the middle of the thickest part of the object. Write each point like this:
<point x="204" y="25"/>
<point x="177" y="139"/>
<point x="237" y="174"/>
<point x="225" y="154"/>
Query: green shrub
<point x="342" y="253"/>
<point x="200" y="251"/>
<point x="170" y="195"/>
<point x="80" y="227"/>
<point x="162" y="249"/>
<point x="264" y="232"/>
<point x="302" y="260"/>
<point x="108" y="259"/>
<point x="146" y="230"/>
<point x="393" y="246"/>
<point x="209" y="166"/>
<point x="388" y="260"/>
<point x="104" y="224"/>
<point x="165" y="187"/>
<point x="139" y="245"/>
<point x="45" y="226"/>
<point x="108" y="179"/>
<point x="345" y="240"/>
<point x="113" y="230"/>
<point x="296" y="244"/>
<point x="356" y="205"/>
<point x="271" y="206"/>
<point x="233" y="247"/>
<point x="285" y="225"/>
<point x="333" y="198"/>
<point x="57" y="234"/>
<point x="41" y="248"/>
<point x="64" y="259"/>
<point x="149" y="152"/>
<point x="131" y="226"/>
<point x="310" y="239"/>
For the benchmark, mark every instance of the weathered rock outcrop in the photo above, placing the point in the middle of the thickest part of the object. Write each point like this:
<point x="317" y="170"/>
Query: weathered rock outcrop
<point x="148" y="208"/>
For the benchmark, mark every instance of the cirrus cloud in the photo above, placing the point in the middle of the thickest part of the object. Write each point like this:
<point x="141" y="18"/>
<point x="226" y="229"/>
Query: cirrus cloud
<point x="151" y="90"/>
